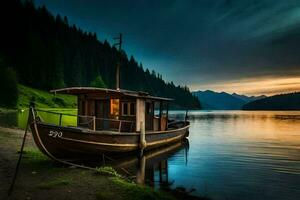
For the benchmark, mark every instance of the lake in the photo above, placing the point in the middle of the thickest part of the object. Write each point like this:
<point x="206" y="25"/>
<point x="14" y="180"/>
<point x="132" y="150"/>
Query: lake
<point x="228" y="155"/>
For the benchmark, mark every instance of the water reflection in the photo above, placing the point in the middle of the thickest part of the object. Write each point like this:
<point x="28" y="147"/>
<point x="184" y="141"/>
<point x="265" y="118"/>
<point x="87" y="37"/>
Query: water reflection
<point x="152" y="167"/>
<point x="243" y="155"/>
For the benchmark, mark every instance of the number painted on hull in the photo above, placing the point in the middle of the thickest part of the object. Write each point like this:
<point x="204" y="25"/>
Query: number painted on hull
<point x="55" y="134"/>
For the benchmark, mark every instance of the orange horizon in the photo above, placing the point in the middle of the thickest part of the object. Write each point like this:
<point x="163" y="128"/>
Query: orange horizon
<point x="259" y="86"/>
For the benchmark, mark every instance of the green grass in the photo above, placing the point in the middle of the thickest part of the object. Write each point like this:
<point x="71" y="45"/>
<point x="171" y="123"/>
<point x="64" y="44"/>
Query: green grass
<point x="66" y="120"/>
<point x="44" y="99"/>
<point x="57" y="182"/>
<point x="107" y="170"/>
<point x="116" y="186"/>
<point x="36" y="159"/>
<point x="125" y="189"/>
<point x="34" y="154"/>
<point x="128" y="190"/>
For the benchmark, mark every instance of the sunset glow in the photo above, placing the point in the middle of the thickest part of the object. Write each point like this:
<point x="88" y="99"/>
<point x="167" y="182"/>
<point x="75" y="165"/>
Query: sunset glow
<point x="267" y="86"/>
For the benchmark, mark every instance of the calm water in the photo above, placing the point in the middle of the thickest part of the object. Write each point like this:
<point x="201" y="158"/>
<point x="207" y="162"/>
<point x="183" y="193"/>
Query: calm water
<point x="228" y="155"/>
<point x="242" y="155"/>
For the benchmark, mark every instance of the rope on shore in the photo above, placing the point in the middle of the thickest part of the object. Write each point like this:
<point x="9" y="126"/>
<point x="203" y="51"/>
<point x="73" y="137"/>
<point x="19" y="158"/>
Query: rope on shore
<point x="19" y="161"/>
<point x="49" y="155"/>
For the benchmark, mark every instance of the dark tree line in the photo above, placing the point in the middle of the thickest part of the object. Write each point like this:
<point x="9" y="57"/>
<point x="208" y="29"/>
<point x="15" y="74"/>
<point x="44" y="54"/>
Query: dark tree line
<point x="8" y="86"/>
<point x="47" y="52"/>
<point x="289" y="101"/>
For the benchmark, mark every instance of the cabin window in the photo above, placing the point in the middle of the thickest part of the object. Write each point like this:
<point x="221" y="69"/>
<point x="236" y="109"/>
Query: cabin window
<point x="148" y="108"/>
<point x="114" y="106"/>
<point x="125" y="108"/>
<point x="132" y="108"/>
<point x="128" y="109"/>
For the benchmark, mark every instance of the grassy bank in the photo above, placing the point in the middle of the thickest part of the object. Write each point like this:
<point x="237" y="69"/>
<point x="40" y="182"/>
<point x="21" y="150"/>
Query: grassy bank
<point x="44" y="99"/>
<point x="41" y="178"/>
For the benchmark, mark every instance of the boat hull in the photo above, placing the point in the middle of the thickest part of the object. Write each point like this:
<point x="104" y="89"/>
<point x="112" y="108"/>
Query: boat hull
<point x="63" y="142"/>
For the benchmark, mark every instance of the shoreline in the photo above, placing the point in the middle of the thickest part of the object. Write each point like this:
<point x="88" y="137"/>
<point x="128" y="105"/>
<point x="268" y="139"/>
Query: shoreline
<point x="39" y="174"/>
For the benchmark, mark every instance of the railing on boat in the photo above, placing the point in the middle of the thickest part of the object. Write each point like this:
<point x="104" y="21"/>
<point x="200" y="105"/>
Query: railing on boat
<point x="94" y="123"/>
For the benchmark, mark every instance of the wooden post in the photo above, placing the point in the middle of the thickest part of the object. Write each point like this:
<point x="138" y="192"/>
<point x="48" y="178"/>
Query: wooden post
<point x="119" y="43"/>
<point x="167" y="120"/>
<point x="140" y="177"/>
<point x="167" y="172"/>
<point x="143" y="143"/>
<point x="160" y="114"/>
<point x="140" y="113"/>
<point x="186" y="116"/>
<point x="118" y="77"/>
<point x="120" y="125"/>
<point x="94" y="123"/>
<point x="60" y="116"/>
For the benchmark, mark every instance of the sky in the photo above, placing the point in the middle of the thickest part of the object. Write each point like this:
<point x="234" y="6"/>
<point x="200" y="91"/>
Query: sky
<point x="244" y="46"/>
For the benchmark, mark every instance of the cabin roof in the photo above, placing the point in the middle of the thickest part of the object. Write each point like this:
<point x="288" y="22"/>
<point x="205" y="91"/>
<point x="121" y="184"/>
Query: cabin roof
<point x="105" y="91"/>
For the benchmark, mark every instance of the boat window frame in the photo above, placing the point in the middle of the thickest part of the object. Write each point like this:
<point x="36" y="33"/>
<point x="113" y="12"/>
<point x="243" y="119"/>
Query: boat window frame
<point x="112" y="101"/>
<point x="125" y="105"/>
<point x="129" y="106"/>
<point x="149" y="108"/>
<point x="133" y="113"/>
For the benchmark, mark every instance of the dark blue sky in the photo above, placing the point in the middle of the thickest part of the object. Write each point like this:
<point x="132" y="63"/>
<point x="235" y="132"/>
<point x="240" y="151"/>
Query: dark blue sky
<point x="245" y="46"/>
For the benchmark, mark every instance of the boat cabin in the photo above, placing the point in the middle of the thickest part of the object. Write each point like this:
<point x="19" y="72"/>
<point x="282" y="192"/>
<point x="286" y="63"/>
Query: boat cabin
<point x="119" y="110"/>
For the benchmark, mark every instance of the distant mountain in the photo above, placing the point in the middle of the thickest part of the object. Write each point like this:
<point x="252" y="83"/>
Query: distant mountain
<point x="289" y="101"/>
<point x="248" y="99"/>
<point x="211" y="100"/>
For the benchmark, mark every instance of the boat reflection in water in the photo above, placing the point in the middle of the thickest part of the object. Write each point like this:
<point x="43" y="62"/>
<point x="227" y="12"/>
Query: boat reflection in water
<point x="152" y="167"/>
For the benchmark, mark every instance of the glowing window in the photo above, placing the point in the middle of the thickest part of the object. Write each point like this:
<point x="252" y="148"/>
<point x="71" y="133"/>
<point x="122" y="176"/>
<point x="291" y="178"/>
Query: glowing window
<point x="114" y="107"/>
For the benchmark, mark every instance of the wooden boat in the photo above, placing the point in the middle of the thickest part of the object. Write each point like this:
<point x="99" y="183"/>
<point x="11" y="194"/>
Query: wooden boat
<point x="108" y="121"/>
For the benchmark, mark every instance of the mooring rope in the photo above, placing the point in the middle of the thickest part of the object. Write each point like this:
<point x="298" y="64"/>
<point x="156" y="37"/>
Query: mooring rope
<point x="47" y="152"/>
<point x="19" y="160"/>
